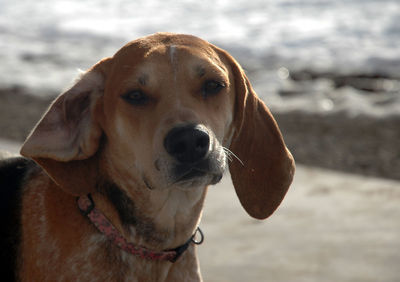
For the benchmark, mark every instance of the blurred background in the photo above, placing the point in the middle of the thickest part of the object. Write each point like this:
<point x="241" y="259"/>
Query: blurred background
<point x="328" y="69"/>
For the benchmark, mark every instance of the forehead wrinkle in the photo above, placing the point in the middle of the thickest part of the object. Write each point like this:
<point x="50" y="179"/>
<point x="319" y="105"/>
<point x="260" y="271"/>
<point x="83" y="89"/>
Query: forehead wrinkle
<point x="200" y="71"/>
<point x="221" y="66"/>
<point x="210" y="66"/>
<point x="140" y="74"/>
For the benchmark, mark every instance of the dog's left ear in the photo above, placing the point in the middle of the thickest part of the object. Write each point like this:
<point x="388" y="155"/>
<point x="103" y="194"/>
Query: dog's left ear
<point x="66" y="139"/>
<point x="266" y="167"/>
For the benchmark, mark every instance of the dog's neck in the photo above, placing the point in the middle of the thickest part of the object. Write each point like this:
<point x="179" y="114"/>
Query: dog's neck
<point x="156" y="219"/>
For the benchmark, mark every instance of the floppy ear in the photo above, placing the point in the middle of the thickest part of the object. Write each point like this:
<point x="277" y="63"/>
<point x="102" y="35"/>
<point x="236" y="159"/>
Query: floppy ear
<point x="65" y="141"/>
<point x="266" y="172"/>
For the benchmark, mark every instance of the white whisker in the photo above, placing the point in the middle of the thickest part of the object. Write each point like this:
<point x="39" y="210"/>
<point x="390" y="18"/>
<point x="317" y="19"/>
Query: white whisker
<point x="230" y="154"/>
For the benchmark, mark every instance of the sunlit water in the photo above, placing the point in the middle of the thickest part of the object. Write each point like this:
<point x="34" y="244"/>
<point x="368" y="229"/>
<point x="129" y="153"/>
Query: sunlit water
<point x="43" y="43"/>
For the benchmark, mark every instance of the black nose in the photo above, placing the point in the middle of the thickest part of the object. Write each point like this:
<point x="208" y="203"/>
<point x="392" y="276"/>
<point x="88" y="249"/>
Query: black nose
<point x="187" y="144"/>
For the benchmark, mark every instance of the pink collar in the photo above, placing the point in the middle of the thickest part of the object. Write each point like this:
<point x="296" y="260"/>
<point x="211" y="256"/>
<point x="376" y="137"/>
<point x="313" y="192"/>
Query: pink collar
<point x="87" y="207"/>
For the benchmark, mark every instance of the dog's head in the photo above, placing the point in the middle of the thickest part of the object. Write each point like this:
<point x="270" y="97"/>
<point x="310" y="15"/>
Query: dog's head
<point x="165" y="112"/>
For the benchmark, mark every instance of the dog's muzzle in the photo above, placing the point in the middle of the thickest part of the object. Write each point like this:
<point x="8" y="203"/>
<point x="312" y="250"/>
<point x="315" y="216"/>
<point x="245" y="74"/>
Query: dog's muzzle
<point x="190" y="147"/>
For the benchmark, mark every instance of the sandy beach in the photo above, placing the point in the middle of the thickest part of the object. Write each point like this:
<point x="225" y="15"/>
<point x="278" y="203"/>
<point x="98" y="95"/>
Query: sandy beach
<point x="330" y="227"/>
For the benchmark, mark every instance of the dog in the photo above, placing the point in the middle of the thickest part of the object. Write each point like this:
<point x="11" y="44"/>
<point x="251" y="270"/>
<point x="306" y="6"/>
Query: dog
<point x="114" y="176"/>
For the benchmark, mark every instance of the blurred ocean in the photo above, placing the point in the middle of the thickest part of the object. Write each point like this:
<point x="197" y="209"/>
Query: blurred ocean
<point x="43" y="43"/>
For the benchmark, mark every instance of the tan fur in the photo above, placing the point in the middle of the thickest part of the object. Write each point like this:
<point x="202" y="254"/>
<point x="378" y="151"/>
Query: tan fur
<point x="90" y="134"/>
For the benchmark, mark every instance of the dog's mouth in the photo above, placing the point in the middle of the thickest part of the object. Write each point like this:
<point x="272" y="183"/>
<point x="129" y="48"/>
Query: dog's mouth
<point x="191" y="173"/>
<point x="201" y="171"/>
<point x="187" y="176"/>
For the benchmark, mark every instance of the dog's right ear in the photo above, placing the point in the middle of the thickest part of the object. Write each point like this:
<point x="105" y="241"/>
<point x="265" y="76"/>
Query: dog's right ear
<point x="66" y="139"/>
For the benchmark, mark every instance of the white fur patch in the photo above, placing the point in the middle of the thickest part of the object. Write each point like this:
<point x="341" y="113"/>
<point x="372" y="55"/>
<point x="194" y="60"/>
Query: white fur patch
<point x="173" y="59"/>
<point x="120" y="127"/>
<point x="172" y="52"/>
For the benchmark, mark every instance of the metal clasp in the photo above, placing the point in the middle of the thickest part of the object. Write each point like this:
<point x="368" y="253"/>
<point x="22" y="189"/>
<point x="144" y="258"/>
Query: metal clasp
<point x="193" y="239"/>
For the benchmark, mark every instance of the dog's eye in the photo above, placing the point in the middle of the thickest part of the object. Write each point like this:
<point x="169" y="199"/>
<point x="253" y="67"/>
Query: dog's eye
<point x="212" y="87"/>
<point x="136" y="97"/>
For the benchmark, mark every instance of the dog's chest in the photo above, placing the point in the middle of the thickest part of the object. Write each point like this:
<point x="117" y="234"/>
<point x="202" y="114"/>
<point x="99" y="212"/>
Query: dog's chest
<point x="109" y="263"/>
<point x="103" y="261"/>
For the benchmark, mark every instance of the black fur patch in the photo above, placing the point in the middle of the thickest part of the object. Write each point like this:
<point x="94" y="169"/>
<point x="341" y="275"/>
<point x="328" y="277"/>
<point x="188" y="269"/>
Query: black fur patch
<point x="124" y="205"/>
<point x="12" y="175"/>
<point x="129" y="215"/>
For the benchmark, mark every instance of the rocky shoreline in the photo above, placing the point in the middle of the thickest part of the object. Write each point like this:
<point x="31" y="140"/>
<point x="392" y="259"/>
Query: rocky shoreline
<point x="20" y="109"/>
<point x="362" y="144"/>
<point x="344" y="122"/>
<point x="349" y="123"/>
